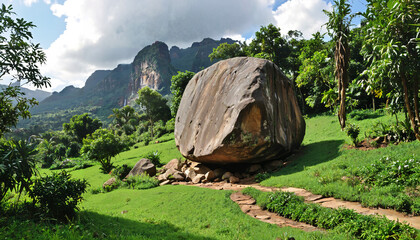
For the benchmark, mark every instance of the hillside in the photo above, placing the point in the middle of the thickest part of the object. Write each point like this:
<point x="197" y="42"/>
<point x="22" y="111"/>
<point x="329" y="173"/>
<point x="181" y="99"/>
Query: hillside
<point x="38" y="94"/>
<point x="104" y="90"/>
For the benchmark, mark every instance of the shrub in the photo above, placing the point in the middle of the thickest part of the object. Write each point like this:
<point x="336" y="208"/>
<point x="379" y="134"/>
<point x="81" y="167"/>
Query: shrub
<point x="17" y="166"/>
<point x="120" y="172"/>
<point x="143" y="181"/>
<point x="259" y="177"/>
<point x="353" y="131"/>
<point x="73" y="150"/>
<point x="154" y="157"/>
<point x="360" y="226"/>
<point x="58" y="194"/>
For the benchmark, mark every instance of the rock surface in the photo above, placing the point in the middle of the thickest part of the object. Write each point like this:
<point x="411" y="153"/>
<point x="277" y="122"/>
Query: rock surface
<point x="144" y="165"/>
<point x="240" y="110"/>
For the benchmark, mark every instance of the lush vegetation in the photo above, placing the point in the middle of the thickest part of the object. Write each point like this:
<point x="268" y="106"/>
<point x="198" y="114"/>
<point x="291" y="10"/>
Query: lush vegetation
<point x="341" y="220"/>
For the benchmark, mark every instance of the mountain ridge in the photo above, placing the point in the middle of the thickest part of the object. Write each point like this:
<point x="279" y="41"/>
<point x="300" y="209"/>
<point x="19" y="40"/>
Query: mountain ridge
<point x="153" y="66"/>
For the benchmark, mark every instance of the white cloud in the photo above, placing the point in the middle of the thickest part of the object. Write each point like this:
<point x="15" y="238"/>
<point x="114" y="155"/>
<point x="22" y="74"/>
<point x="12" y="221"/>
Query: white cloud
<point x="28" y="3"/>
<point x="100" y="34"/>
<point x="303" y="15"/>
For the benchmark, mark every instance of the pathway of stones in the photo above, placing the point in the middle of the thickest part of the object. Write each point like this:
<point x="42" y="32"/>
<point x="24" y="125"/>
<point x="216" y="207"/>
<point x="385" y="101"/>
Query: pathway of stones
<point x="248" y="206"/>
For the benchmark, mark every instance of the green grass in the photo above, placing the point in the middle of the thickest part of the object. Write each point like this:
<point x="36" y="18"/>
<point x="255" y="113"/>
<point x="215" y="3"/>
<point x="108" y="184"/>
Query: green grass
<point x="167" y="212"/>
<point x="322" y="162"/>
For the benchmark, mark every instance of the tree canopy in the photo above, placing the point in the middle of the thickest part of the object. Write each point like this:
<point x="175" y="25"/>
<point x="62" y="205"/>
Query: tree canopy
<point x="81" y="125"/>
<point x="178" y="84"/>
<point x="19" y="61"/>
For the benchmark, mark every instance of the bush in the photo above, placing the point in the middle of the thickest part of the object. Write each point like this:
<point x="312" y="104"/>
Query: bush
<point x="261" y="177"/>
<point x="17" y="166"/>
<point x="73" y="150"/>
<point x="58" y="194"/>
<point x="360" y="226"/>
<point x="120" y="172"/>
<point x="353" y="131"/>
<point x="154" y="157"/>
<point x="143" y="181"/>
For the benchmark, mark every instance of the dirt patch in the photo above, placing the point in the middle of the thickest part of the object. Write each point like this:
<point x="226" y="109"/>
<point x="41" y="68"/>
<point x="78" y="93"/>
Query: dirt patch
<point x="367" y="144"/>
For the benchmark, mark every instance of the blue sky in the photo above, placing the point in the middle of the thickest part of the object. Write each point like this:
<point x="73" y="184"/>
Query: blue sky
<point x="80" y="36"/>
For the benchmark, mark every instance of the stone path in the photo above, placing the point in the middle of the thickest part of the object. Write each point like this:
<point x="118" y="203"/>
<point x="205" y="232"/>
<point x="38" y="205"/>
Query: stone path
<point x="248" y="206"/>
<point x="413" y="221"/>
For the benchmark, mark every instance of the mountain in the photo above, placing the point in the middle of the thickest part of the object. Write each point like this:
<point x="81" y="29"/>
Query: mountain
<point x="104" y="90"/>
<point x="38" y="94"/>
<point x="195" y="58"/>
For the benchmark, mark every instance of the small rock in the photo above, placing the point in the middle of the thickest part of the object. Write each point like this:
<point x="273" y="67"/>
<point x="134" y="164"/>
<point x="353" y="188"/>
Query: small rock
<point x="178" y="176"/>
<point x="262" y="217"/>
<point x="190" y="174"/>
<point x="218" y="172"/>
<point x="165" y="182"/>
<point x="109" y="182"/>
<point x="217" y="180"/>
<point x="161" y="178"/>
<point x="226" y="175"/>
<point x="198" y="178"/>
<point x="143" y="165"/>
<point x="233" y="179"/>
<point x="201" y="169"/>
<point x="254" y="168"/>
<point x="174" y="163"/>
<point x="272" y="165"/>
<point x="209" y="176"/>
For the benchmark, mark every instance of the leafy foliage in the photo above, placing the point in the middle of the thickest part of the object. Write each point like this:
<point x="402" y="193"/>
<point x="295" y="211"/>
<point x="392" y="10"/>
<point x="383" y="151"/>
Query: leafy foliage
<point x="17" y="166"/>
<point x="101" y="146"/>
<point x="58" y="194"/>
<point x="225" y="51"/>
<point x="143" y="181"/>
<point x="19" y="61"/>
<point x="154" y="157"/>
<point x="289" y="205"/>
<point x="153" y="105"/>
<point x="391" y="48"/>
<point x="81" y="125"/>
<point x="120" y="172"/>
<point x="353" y="131"/>
<point x="178" y="84"/>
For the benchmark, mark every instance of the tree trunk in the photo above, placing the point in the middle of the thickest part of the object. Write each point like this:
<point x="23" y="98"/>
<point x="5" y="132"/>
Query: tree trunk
<point x="342" y="56"/>
<point x="408" y="108"/>
<point x="416" y="100"/>
<point x="373" y="102"/>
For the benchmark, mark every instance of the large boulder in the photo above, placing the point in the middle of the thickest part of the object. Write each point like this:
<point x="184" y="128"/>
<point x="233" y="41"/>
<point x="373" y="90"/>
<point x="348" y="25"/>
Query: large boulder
<point x="240" y="110"/>
<point x="144" y="165"/>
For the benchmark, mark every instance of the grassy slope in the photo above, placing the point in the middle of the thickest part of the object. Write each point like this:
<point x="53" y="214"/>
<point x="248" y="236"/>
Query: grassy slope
<point x="323" y="161"/>
<point x="183" y="212"/>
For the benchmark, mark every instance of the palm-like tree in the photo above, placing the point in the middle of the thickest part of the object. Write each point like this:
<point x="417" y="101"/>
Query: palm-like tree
<point x="338" y="27"/>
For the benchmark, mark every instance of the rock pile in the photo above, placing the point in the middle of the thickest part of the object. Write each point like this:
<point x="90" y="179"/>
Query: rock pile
<point x="195" y="172"/>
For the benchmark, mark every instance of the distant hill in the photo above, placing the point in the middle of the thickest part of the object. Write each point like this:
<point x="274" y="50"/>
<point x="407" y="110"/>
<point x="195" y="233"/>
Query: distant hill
<point x="104" y="90"/>
<point x="38" y="94"/>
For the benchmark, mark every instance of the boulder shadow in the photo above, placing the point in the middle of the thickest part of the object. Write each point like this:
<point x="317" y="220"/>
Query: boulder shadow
<point x="109" y="227"/>
<point x="310" y="155"/>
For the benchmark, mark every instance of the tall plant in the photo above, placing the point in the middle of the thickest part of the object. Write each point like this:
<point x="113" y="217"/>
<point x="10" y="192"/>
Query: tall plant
<point x="338" y="27"/>
<point x="392" y="48"/>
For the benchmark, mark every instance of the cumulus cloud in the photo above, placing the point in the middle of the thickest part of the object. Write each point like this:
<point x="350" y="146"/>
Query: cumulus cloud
<point x="28" y="3"/>
<point x="303" y="15"/>
<point x="100" y="34"/>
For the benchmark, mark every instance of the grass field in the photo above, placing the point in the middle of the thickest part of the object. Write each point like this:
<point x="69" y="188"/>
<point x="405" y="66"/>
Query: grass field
<point x="186" y="212"/>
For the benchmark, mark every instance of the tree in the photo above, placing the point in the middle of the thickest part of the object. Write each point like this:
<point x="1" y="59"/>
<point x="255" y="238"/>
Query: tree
<point x="101" y="146"/>
<point x="178" y="84"/>
<point x="81" y="125"/>
<point x="125" y="118"/>
<point x="19" y="61"/>
<point x="226" y="50"/>
<point x="154" y="106"/>
<point x="269" y="44"/>
<point x="392" y="50"/>
<point x="338" y="27"/>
